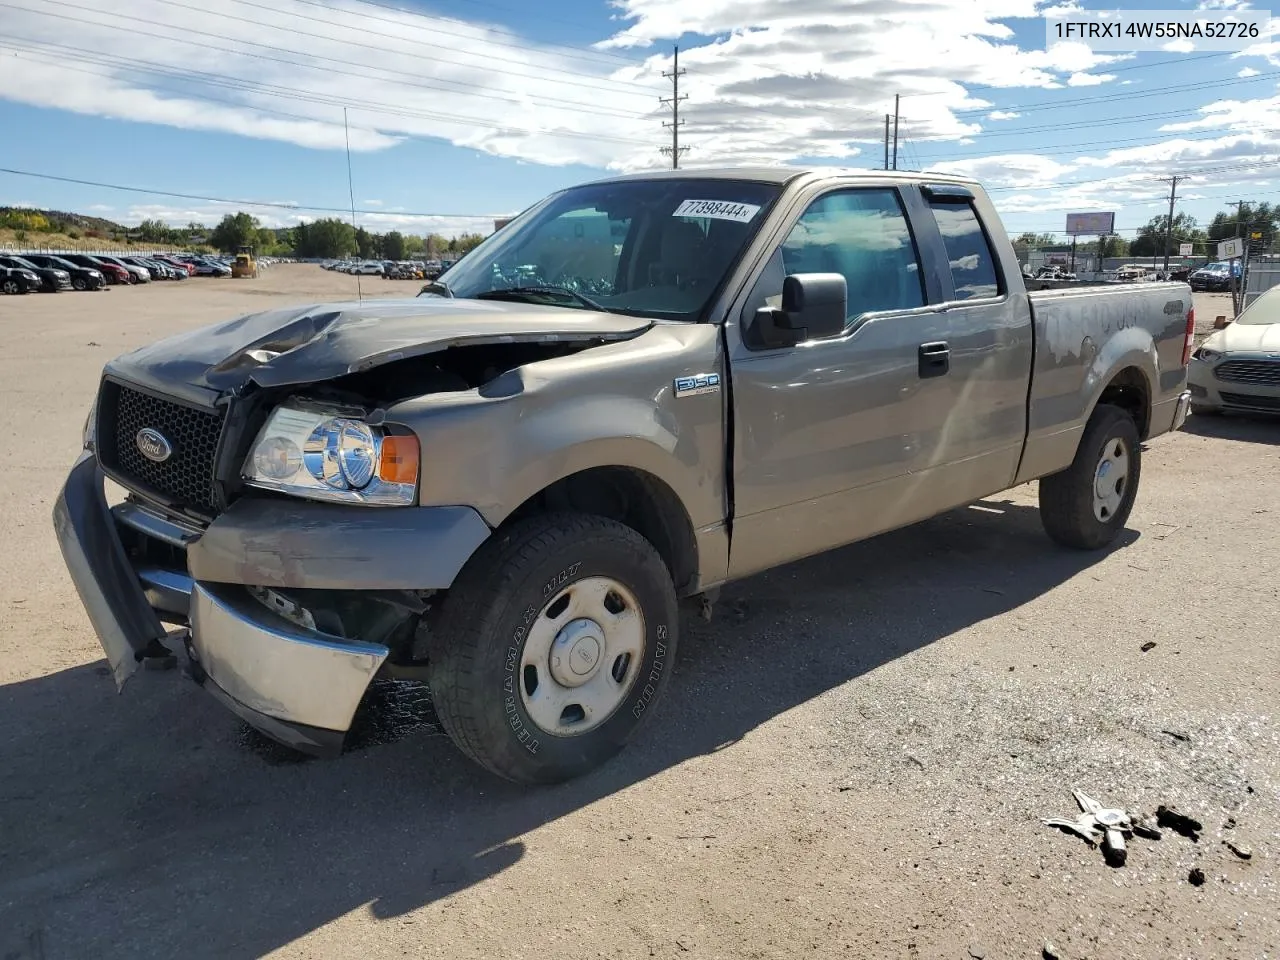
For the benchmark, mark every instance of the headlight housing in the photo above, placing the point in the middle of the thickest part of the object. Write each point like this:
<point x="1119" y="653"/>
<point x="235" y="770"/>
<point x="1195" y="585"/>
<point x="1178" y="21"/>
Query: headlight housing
<point x="1206" y="355"/>
<point x="327" y="454"/>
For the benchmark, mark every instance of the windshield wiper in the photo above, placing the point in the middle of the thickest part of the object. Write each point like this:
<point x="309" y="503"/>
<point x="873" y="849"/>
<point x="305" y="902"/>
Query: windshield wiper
<point x="521" y="293"/>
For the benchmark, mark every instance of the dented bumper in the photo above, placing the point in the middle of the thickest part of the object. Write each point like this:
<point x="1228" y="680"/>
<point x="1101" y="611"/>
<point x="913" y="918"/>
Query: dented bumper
<point x="297" y="685"/>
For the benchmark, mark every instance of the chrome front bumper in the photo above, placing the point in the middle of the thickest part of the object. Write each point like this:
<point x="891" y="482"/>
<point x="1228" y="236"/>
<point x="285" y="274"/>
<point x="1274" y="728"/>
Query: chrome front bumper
<point x="297" y="686"/>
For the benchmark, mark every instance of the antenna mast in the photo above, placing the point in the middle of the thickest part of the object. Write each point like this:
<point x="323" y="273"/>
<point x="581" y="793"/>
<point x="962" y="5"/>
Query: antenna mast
<point x="351" y="189"/>
<point x="674" y="76"/>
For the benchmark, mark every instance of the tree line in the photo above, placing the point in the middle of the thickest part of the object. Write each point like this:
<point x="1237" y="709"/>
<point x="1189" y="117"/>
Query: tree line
<point x="1255" y="222"/>
<point x="328" y="238"/>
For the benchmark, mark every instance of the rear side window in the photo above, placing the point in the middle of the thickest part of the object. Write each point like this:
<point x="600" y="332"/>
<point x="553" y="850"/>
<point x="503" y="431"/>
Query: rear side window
<point x="973" y="266"/>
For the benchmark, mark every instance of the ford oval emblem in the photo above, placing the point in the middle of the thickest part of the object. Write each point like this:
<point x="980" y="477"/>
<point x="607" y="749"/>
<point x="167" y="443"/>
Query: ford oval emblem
<point x="153" y="445"/>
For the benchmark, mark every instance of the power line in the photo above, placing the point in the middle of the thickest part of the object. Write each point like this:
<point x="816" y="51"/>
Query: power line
<point x="406" y="79"/>
<point x="496" y="6"/>
<point x="576" y="53"/>
<point x="247" y="203"/>
<point x="488" y="57"/>
<point x="270" y="90"/>
<point x="1113" y="97"/>
<point x="1136" y="66"/>
<point x="1074" y="150"/>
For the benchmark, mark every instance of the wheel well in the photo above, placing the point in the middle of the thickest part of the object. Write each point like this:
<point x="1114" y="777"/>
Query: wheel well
<point x="632" y="497"/>
<point x="1128" y="390"/>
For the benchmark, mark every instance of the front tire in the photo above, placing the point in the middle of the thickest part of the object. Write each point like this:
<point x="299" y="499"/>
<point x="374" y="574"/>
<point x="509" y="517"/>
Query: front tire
<point x="553" y="646"/>
<point x="11" y="287"/>
<point x="1087" y="505"/>
<point x="79" y="283"/>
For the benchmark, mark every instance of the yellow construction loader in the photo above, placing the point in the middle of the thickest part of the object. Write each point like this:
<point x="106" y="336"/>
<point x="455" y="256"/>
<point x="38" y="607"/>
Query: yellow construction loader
<point x="245" y="265"/>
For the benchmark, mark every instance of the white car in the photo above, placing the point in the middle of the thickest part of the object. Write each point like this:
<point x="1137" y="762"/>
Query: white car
<point x="368" y="268"/>
<point x="1239" y="368"/>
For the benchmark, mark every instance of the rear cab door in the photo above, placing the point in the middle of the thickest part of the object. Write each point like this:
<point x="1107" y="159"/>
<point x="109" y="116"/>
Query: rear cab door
<point x="989" y="340"/>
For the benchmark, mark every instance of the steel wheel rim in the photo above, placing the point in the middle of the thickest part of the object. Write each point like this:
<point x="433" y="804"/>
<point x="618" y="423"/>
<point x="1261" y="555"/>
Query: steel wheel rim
<point x="1111" y="480"/>
<point x="582" y="656"/>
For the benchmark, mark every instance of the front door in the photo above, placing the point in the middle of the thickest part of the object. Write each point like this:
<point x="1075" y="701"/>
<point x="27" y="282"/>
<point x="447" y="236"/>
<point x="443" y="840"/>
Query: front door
<point x="827" y="433"/>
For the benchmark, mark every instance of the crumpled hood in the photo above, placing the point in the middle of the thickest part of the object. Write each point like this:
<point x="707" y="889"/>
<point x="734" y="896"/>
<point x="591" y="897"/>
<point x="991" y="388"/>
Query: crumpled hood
<point x="316" y="342"/>
<point x="1246" y="338"/>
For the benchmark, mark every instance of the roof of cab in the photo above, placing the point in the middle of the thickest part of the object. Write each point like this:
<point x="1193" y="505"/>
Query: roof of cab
<point x="786" y="174"/>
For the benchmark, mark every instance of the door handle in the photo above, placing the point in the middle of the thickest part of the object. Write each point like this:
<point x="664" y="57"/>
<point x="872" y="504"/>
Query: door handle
<point x="934" y="359"/>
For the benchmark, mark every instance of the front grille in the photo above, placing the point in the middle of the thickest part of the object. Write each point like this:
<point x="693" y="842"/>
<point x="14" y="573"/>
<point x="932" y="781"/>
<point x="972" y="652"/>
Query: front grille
<point x="1260" y="372"/>
<point x="1246" y="400"/>
<point x="187" y="475"/>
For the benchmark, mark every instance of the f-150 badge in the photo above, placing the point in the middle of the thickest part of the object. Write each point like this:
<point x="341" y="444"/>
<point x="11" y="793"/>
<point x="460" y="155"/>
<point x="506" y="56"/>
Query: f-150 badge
<point x="699" y="383"/>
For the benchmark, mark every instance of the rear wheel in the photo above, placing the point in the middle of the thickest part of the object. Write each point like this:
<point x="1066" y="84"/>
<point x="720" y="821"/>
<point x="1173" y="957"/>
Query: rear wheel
<point x="1086" y="505"/>
<point x="552" y="647"/>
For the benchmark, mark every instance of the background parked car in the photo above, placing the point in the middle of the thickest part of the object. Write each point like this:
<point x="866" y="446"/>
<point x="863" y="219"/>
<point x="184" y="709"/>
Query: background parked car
<point x="18" y="281"/>
<point x="154" y="270"/>
<point x="51" y="280"/>
<point x="139" y="274"/>
<point x="114" y="272"/>
<point x="1215" y="276"/>
<point x="82" y="278"/>
<point x="1238" y="368"/>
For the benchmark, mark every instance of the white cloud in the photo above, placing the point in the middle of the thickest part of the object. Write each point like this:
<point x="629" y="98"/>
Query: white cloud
<point x="768" y="81"/>
<point x="372" y="203"/>
<point x="1248" y="72"/>
<point x="1089" y="79"/>
<point x="1179" y="46"/>
<point x="1003" y="115"/>
<point x="1223" y="5"/>
<point x="101" y="207"/>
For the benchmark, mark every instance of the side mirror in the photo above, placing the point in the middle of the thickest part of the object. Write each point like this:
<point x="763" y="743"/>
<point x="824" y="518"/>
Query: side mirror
<point x="814" y="306"/>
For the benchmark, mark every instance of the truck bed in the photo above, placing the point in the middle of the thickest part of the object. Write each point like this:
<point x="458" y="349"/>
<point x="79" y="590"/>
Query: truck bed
<point x="1085" y="336"/>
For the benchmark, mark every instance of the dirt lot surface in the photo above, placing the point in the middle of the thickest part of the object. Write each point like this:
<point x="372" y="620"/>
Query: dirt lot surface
<point x="853" y="759"/>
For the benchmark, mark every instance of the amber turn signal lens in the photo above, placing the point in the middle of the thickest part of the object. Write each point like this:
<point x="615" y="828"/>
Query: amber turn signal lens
<point x="399" y="462"/>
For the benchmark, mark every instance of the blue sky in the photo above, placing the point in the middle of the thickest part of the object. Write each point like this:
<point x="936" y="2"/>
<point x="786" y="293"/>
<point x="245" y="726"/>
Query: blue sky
<point x="478" y="107"/>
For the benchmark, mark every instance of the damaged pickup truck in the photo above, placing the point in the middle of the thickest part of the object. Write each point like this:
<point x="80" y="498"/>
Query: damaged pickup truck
<point x="637" y="391"/>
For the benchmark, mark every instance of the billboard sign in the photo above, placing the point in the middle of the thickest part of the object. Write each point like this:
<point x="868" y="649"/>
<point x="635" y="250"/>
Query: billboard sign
<point x="1230" y="249"/>
<point x="1091" y="224"/>
<point x="1186" y="249"/>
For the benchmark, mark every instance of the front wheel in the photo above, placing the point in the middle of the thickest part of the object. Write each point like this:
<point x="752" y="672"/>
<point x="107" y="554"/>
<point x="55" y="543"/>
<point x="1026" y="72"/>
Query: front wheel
<point x="1087" y="505"/>
<point x="79" y="284"/>
<point x="552" y="646"/>
<point x="11" y="287"/>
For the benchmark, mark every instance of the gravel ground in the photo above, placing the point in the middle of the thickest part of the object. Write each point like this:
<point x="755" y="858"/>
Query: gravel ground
<point x="852" y="761"/>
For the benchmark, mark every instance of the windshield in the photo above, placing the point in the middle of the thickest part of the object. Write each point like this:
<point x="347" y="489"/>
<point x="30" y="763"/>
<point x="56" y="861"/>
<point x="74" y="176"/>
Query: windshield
<point x="656" y="248"/>
<point x="1264" y="310"/>
<point x="23" y="263"/>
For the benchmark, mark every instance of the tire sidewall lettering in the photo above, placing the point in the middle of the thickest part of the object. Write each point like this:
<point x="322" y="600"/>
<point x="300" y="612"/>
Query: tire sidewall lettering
<point x="642" y="694"/>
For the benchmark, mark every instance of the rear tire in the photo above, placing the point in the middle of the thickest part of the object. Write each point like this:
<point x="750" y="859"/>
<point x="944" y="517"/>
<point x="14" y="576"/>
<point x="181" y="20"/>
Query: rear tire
<point x="1087" y="505"/>
<point x="552" y="600"/>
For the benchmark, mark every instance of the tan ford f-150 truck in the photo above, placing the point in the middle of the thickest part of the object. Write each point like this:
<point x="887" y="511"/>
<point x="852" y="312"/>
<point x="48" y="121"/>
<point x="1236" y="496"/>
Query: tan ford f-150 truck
<point x="637" y="391"/>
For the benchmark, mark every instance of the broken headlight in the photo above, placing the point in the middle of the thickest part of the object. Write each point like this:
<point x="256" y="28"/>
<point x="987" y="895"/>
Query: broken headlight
<point x="323" y="455"/>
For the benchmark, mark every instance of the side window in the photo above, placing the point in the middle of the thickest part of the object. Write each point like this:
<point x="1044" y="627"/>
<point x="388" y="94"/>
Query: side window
<point x="973" y="266"/>
<point x="861" y="234"/>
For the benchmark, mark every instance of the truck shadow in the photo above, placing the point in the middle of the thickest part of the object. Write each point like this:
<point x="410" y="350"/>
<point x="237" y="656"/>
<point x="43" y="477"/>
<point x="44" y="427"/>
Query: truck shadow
<point x="1243" y="427"/>
<point x="141" y="826"/>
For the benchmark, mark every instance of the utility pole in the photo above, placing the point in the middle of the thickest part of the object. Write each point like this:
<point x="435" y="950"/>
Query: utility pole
<point x="1235" y="287"/>
<point x="674" y="76"/>
<point x="1168" y="227"/>
<point x="886" y="141"/>
<point x="896" y="98"/>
